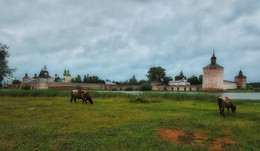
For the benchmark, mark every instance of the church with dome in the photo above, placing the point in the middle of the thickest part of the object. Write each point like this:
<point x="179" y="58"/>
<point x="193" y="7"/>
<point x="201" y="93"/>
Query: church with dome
<point x="38" y="82"/>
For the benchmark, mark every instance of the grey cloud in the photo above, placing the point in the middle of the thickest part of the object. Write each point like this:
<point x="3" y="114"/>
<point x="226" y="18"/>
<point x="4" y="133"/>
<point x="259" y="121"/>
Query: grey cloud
<point x="117" y="39"/>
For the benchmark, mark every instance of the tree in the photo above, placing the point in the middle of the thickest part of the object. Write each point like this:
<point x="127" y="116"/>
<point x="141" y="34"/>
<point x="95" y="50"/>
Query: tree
<point x="93" y="79"/>
<point x="200" y="79"/>
<point x="156" y="74"/>
<point x="142" y="82"/>
<point x="166" y="80"/>
<point x="17" y="82"/>
<point x="77" y="79"/>
<point x="133" y="81"/>
<point x="146" y="87"/>
<point x="4" y="69"/>
<point x="193" y="80"/>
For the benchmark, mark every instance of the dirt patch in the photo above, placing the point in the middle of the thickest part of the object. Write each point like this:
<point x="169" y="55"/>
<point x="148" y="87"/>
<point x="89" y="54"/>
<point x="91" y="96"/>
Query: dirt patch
<point x="178" y="136"/>
<point x="171" y="135"/>
<point x="223" y="144"/>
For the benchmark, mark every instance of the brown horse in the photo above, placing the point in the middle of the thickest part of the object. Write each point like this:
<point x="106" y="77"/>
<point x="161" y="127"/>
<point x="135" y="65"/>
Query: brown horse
<point x="79" y="94"/>
<point x="225" y="102"/>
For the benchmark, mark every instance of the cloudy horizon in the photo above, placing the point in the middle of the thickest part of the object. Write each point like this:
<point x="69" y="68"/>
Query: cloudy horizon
<point x="121" y="38"/>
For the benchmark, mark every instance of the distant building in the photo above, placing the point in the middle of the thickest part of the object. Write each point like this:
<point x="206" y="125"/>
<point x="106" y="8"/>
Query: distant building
<point x="25" y="78"/>
<point x="240" y="79"/>
<point x="40" y="82"/>
<point x="10" y="80"/>
<point x="213" y="76"/>
<point x="179" y="80"/>
<point x="67" y="76"/>
<point x="44" y="73"/>
<point x="57" y="78"/>
<point x="108" y="82"/>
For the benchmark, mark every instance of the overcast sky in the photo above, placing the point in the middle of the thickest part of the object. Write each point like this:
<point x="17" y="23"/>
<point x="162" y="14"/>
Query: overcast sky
<point x="115" y="39"/>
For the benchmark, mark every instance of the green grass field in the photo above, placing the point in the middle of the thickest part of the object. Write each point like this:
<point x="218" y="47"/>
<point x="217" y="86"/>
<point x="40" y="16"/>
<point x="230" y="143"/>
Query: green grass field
<point x="122" y="123"/>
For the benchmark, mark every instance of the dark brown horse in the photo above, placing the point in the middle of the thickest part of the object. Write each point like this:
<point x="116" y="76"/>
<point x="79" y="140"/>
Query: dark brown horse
<point x="79" y="94"/>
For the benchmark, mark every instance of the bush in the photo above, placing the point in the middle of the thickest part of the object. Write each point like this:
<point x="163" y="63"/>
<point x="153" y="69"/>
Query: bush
<point x="129" y="89"/>
<point x="146" y="87"/>
<point x="145" y="100"/>
<point x="16" y="82"/>
<point x="136" y="89"/>
<point x="26" y="87"/>
<point x="114" y="89"/>
<point x="78" y="87"/>
<point x="139" y="100"/>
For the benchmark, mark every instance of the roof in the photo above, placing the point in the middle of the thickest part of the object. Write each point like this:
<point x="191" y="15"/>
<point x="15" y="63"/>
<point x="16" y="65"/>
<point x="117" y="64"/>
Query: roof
<point x="214" y="65"/>
<point x="240" y="76"/>
<point x="44" y="73"/>
<point x="31" y="81"/>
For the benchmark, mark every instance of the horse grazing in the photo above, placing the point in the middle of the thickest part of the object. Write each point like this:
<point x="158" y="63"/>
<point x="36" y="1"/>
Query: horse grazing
<point x="225" y="102"/>
<point x="79" y="94"/>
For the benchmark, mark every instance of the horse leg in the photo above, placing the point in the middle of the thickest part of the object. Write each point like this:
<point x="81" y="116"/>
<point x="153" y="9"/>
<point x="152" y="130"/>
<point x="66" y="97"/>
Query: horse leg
<point x="227" y="109"/>
<point x="220" y="109"/>
<point x="75" y="100"/>
<point x="71" y="99"/>
<point x="223" y="111"/>
<point x="84" y="100"/>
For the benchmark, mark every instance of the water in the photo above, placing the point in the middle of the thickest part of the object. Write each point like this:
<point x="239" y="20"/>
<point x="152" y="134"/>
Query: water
<point x="241" y="96"/>
<point x="237" y="96"/>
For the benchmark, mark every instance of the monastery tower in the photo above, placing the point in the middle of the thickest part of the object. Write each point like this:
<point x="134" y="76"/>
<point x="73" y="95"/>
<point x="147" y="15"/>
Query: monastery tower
<point x="241" y="80"/>
<point x="213" y="76"/>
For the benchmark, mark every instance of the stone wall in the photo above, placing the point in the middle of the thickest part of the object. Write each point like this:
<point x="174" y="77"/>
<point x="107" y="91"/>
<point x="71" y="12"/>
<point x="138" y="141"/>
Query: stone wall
<point x="70" y="86"/>
<point x="89" y="86"/>
<point x="230" y="85"/>
<point x="159" y="87"/>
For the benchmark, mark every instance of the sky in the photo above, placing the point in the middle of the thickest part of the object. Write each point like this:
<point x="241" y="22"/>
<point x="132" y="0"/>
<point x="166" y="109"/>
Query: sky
<point x="116" y="39"/>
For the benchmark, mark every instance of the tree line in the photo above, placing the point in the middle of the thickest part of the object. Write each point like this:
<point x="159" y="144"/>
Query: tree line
<point x="154" y="74"/>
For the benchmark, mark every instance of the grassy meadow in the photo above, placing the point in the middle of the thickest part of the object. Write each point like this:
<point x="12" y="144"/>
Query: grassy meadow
<point x="46" y="120"/>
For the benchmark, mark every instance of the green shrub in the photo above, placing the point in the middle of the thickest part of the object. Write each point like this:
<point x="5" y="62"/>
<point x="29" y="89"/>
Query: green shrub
<point x="146" y="87"/>
<point x="16" y="82"/>
<point x="136" y="89"/>
<point x="145" y="100"/>
<point x="78" y="87"/>
<point x="114" y="89"/>
<point x="26" y="87"/>
<point x="139" y="100"/>
<point x="129" y="89"/>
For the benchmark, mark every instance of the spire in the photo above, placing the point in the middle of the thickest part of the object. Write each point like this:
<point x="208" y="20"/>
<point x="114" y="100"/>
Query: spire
<point x="213" y="58"/>
<point x="181" y="74"/>
<point x="44" y="68"/>
<point x="240" y="72"/>
<point x="26" y="76"/>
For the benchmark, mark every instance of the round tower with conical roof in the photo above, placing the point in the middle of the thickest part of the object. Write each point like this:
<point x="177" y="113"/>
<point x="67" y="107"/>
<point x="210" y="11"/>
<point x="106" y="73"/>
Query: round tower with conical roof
<point x="213" y="76"/>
